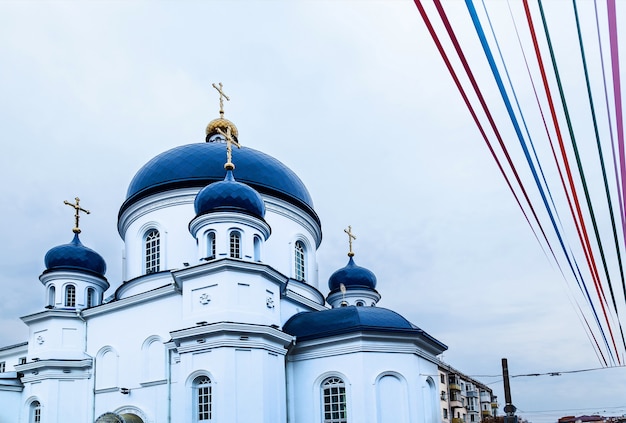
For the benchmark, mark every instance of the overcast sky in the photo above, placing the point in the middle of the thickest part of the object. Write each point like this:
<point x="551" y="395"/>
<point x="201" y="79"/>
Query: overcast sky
<point x="351" y="95"/>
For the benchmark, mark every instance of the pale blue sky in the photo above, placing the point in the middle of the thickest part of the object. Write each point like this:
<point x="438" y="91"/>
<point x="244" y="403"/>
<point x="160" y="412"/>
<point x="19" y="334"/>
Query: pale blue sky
<point x="352" y="96"/>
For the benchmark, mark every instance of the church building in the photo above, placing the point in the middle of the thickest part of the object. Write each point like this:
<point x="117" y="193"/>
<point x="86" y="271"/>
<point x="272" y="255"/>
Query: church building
<point x="220" y="316"/>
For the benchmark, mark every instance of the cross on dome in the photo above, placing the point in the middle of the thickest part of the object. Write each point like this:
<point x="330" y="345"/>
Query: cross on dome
<point x="351" y="237"/>
<point x="222" y="97"/>
<point x="229" y="147"/>
<point x="221" y="126"/>
<point x="78" y="209"/>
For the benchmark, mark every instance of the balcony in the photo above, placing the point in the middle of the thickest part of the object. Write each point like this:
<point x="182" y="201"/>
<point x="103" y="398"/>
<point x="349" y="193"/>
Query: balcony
<point x="494" y="404"/>
<point x="486" y="413"/>
<point x="454" y="386"/>
<point x="457" y="420"/>
<point x="472" y="394"/>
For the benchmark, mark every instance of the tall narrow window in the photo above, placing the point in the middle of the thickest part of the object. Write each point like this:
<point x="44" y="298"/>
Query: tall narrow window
<point x="235" y="244"/>
<point x="35" y="412"/>
<point x="202" y="393"/>
<point x="70" y="296"/>
<point x="210" y="250"/>
<point x="334" y="397"/>
<point x="91" y="297"/>
<point x="257" y="248"/>
<point x="51" y="296"/>
<point x="300" y="261"/>
<point x="153" y="251"/>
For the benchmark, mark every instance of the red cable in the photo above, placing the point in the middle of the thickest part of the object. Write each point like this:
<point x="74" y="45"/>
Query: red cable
<point x="473" y="113"/>
<point x="584" y="238"/>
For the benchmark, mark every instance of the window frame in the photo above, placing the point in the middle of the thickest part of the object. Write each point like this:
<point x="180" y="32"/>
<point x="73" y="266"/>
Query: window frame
<point x="234" y="243"/>
<point x="90" y="298"/>
<point x="300" y="257"/>
<point x="202" y="392"/>
<point x="333" y="393"/>
<point x="152" y="251"/>
<point x="69" y="298"/>
<point x="34" y="412"/>
<point x="211" y="245"/>
<point x="52" y="295"/>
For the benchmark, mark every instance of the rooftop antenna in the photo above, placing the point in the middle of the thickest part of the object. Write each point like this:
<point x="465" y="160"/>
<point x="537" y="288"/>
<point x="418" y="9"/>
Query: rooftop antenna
<point x="78" y="209"/>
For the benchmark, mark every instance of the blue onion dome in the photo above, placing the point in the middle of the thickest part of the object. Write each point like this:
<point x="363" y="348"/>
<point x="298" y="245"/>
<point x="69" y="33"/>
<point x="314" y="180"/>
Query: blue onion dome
<point x="200" y="164"/>
<point x="352" y="276"/>
<point x="229" y="195"/>
<point x="75" y="256"/>
<point x="309" y="325"/>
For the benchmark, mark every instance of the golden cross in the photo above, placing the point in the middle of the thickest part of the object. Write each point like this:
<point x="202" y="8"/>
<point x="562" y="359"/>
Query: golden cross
<point x="222" y="97"/>
<point x="350" y="238"/>
<point x="229" y="147"/>
<point x="78" y="209"/>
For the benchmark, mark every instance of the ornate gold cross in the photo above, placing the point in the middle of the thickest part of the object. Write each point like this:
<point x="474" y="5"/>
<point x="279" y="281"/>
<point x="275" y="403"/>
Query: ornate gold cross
<point x="229" y="147"/>
<point x="78" y="209"/>
<point x="350" y="238"/>
<point x="222" y="97"/>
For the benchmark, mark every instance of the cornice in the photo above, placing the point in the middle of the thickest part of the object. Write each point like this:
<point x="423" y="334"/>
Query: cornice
<point x="133" y="300"/>
<point x="360" y="342"/>
<point x="231" y="335"/>
<point x="229" y="217"/>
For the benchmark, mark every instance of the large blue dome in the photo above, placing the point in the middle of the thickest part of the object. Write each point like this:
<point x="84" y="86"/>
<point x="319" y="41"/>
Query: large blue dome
<point x="352" y="276"/>
<point x="198" y="165"/>
<point x="229" y="195"/>
<point x="75" y="256"/>
<point x="309" y="325"/>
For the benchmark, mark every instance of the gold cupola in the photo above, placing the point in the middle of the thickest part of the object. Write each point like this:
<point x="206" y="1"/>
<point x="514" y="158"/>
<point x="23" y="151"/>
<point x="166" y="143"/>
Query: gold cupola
<point x="221" y="125"/>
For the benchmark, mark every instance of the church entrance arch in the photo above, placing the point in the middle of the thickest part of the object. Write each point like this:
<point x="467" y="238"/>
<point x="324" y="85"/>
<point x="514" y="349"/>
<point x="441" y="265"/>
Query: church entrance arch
<point x="119" y="418"/>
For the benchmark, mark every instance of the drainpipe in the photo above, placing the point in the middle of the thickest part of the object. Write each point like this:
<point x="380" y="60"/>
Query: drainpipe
<point x="79" y="314"/>
<point x="169" y="385"/>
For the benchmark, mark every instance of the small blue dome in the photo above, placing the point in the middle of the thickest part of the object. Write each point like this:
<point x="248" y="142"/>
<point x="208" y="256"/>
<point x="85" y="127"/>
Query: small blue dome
<point x="75" y="256"/>
<point x="229" y="195"/>
<point x="352" y="276"/>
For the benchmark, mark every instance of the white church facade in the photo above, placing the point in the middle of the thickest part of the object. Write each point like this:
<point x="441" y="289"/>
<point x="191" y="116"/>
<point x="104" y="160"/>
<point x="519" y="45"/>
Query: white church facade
<point x="221" y="316"/>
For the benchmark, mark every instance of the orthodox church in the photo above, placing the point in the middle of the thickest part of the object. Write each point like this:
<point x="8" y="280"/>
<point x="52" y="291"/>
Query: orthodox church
<point x="220" y="316"/>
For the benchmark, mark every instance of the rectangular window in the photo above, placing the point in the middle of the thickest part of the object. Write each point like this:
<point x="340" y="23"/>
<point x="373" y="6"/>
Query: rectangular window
<point x="3" y="366"/>
<point x="204" y="403"/>
<point x="443" y="379"/>
<point x="153" y="251"/>
<point x="22" y="360"/>
<point x="235" y="247"/>
<point x="334" y="395"/>
<point x="445" y="413"/>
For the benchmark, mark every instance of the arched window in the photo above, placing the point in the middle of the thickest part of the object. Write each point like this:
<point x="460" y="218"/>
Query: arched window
<point x="153" y="251"/>
<point x="300" y="261"/>
<point x="51" y="296"/>
<point x="235" y="244"/>
<point x="210" y="248"/>
<point x="91" y="297"/>
<point x="70" y="296"/>
<point x="257" y="248"/>
<point x="35" y="412"/>
<point x="334" y="400"/>
<point x="202" y="397"/>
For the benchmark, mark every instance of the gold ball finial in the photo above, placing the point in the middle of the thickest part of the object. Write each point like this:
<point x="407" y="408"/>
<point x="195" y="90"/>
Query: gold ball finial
<point x="223" y="125"/>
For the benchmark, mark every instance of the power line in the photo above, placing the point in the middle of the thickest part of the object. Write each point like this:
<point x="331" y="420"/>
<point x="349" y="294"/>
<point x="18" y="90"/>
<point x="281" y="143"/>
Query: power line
<point x="555" y="373"/>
